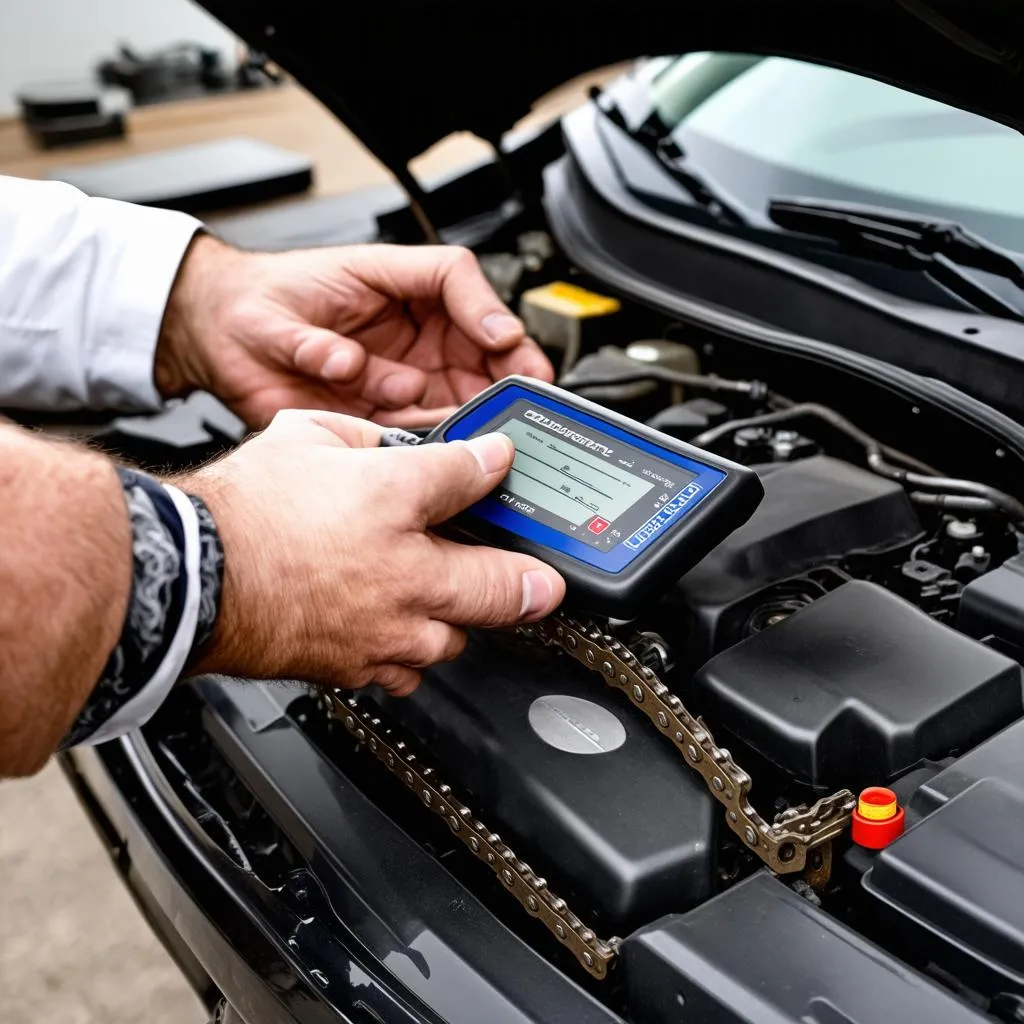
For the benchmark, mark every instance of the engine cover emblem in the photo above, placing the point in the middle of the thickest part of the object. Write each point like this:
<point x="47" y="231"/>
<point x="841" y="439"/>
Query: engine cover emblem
<point x="575" y="725"/>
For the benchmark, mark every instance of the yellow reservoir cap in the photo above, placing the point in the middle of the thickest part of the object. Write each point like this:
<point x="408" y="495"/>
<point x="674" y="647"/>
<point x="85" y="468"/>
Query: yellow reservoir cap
<point x="877" y="804"/>
<point x="571" y="301"/>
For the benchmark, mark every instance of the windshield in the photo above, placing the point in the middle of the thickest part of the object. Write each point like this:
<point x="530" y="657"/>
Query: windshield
<point x="764" y="127"/>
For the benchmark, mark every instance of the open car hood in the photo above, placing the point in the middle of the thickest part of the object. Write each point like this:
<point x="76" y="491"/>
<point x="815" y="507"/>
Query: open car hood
<point x="404" y="75"/>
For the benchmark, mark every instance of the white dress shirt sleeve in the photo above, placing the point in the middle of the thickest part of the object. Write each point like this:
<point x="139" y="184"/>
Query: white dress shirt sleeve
<point x="83" y="286"/>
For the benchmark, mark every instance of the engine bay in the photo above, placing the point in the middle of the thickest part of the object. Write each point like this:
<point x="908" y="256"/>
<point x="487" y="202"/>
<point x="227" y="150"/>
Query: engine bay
<point x="824" y="641"/>
<point x="862" y="629"/>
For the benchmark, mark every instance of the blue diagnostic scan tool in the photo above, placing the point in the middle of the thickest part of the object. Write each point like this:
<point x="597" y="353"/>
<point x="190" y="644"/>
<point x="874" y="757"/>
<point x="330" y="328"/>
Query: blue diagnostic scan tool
<point x="619" y="509"/>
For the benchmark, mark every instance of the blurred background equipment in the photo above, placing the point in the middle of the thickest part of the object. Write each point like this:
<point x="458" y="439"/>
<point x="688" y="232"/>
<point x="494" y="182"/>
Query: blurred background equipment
<point x="62" y="113"/>
<point x="184" y="70"/>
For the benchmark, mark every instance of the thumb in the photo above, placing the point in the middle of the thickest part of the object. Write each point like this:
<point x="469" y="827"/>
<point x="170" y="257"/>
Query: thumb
<point x="446" y="478"/>
<point x="448" y="273"/>
<point x="474" y="306"/>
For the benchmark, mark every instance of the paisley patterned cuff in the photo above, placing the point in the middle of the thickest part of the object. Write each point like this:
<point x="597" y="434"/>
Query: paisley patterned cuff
<point x="211" y="575"/>
<point x="163" y="603"/>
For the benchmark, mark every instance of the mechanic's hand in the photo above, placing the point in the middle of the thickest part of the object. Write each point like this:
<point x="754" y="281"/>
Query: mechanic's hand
<point x="400" y="335"/>
<point x="330" y="574"/>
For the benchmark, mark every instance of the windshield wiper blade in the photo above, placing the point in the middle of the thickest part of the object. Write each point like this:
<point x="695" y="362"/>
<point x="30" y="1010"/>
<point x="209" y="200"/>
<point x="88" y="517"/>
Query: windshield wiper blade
<point x="908" y="241"/>
<point x="654" y="139"/>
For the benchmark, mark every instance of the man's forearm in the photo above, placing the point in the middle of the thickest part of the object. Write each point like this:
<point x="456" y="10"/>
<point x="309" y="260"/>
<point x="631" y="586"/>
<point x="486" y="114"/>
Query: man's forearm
<point x="65" y="581"/>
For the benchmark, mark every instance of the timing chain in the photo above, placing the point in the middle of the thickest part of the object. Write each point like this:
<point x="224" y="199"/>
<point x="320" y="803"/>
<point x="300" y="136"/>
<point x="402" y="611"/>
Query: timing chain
<point x="786" y="844"/>
<point x="799" y="839"/>
<point x="594" y="954"/>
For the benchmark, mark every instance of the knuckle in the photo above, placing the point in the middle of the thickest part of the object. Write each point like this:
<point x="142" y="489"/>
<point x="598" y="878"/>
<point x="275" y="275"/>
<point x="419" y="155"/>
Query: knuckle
<point x="456" y="644"/>
<point x="285" y="418"/>
<point x="401" y="639"/>
<point x="460" y="462"/>
<point x="429" y="648"/>
<point x="397" y="580"/>
<point x="403" y="642"/>
<point x="432" y="591"/>
<point x="446" y="584"/>
<point x="446" y="645"/>
<point x="387" y="676"/>
<point x="358" y="678"/>
<point x="401" y="681"/>
<point x="430" y="643"/>
<point x="501" y="601"/>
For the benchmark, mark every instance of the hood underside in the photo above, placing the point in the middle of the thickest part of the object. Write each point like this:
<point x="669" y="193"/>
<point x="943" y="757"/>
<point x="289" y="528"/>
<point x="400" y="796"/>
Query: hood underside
<point x="404" y="75"/>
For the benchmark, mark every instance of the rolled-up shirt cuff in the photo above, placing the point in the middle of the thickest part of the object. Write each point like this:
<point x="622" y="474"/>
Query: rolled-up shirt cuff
<point x="141" y="707"/>
<point x="147" y="248"/>
<point x="177" y="579"/>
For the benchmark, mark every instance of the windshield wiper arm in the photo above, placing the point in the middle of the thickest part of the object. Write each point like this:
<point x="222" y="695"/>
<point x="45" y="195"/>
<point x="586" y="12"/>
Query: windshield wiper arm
<point x="654" y="139"/>
<point x="907" y="241"/>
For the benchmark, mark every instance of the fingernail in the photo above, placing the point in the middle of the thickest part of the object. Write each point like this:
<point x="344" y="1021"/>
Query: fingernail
<point x="491" y="452"/>
<point x="501" y="326"/>
<point x="337" y="366"/>
<point x="537" y="593"/>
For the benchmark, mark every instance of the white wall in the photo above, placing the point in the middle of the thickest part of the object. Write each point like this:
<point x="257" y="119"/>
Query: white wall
<point x="46" y="40"/>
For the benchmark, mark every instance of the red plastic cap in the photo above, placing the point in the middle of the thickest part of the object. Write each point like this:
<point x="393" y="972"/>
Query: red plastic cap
<point x="878" y="819"/>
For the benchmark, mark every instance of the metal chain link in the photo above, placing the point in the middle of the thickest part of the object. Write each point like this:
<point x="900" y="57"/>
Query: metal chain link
<point x="783" y="845"/>
<point x="799" y="840"/>
<point x="594" y="954"/>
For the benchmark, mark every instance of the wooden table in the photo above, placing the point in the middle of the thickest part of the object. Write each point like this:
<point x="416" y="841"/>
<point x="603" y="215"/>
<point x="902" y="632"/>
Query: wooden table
<point x="285" y="116"/>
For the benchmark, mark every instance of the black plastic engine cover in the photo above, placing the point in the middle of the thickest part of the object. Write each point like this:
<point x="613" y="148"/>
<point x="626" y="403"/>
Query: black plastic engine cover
<point x="858" y="687"/>
<point x="626" y="834"/>
<point x="760" y="953"/>
<point x="993" y="604"/>
<point x="1000" y="758"/>
<point x="957" y="877"/>
<point x="953" y="886"/>
<point x="815" y="511"/>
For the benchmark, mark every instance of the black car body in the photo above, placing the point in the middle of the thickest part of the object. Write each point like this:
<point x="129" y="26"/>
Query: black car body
<point x="861" y="630"/>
